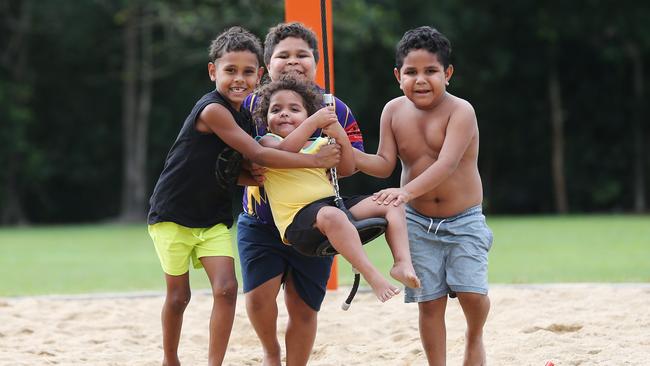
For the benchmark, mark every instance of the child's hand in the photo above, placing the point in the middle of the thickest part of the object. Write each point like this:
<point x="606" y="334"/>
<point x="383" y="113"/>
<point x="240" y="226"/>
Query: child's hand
<point x="325" y="117"/>
<point x="328" y="156"/>
<point x="335" y="130"/>
<point x="257" y="172"/>
<point x="396" y="196"/>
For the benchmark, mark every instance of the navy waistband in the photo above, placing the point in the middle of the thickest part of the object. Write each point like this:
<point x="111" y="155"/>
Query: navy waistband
<point x="470" y="211"/>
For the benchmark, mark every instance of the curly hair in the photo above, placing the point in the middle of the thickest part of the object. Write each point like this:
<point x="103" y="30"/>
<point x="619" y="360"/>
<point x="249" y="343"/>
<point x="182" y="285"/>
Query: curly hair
<point x="235" y="39"/>
<point x="311" y="99"/>
<point x="423" y="38"/>
<point x="286" y="30"/>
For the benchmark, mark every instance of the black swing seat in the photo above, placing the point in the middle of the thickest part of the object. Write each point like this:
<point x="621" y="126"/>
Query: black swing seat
<point x="368" y="229"/>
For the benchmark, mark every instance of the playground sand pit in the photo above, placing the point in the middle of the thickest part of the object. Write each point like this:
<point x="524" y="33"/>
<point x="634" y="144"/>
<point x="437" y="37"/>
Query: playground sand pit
<point x="581" y="324"/>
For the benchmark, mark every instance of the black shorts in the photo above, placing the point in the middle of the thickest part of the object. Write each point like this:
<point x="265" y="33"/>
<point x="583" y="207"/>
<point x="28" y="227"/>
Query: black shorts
<point x="302" y="234"/>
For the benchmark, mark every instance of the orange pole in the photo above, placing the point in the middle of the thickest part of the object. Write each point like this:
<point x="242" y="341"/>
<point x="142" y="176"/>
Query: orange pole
<point x="308" y="13"/>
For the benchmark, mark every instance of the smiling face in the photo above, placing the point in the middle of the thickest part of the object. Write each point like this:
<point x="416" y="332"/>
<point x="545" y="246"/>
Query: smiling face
<point x="286" y="112"/>
<point x="423" y="79"/>
<point x="235" y="74"/>
<point x="292" y="56"/>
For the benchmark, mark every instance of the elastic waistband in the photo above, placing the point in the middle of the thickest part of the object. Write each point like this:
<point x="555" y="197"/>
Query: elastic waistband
<point x="470" y="211"/>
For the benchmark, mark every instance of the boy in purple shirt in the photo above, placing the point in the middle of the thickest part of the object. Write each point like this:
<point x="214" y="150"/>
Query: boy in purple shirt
<point x="267" y="263"/>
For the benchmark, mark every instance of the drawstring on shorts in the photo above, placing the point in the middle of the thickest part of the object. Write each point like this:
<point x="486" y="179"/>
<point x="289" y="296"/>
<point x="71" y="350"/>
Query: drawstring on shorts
<point x="437" y="226"/>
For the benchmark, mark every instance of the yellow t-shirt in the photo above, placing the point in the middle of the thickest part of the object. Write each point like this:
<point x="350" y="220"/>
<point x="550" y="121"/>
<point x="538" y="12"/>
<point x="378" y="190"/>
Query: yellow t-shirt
<point x="289" y="190"/>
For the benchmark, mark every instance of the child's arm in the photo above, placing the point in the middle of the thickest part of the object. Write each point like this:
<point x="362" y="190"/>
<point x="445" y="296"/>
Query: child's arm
<point x="347" y="165"/>
<point x="383" y="163"/>
<point x="298" y="137"/>
<point x="251" y="174"/>
<point x="247" y="179"/>
<point x="217" y="118"/>
<point x="461" y="129"/>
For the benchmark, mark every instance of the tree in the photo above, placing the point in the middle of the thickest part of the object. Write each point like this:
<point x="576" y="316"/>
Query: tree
<point x="137" y="80"/>
<point x="638" y="86"/>
<point x="15" y="102"/>
<point x="179" y="25"/>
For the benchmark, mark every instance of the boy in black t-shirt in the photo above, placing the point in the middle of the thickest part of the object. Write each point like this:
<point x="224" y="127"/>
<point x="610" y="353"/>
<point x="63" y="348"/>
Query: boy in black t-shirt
<point x="191" y="209"/>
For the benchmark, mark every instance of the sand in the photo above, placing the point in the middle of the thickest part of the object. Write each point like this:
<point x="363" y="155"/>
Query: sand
<point x="581" y="324"/>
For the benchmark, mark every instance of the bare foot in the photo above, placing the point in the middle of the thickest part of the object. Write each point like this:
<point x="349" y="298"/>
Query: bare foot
<point x="381" y="287"/>
<point x="474" y="353"/>
<point x="404" y="273"/>
<point x="171" y="362"/>
<point x="271" y="359"/>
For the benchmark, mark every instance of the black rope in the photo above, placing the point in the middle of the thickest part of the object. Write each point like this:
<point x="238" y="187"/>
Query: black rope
<point x="355" y="286"/>
<point x="326" y="58"/>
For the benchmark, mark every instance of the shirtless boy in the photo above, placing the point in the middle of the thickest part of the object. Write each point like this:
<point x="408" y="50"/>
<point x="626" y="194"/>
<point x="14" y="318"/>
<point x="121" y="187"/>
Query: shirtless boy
<point x="435" y="135"/>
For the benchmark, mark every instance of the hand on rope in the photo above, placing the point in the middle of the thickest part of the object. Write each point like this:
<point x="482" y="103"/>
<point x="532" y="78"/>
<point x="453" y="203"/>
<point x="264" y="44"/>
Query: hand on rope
<point x="325" y="117"/>
<point x="332" y="172"/>
<point x="335" y="130"/>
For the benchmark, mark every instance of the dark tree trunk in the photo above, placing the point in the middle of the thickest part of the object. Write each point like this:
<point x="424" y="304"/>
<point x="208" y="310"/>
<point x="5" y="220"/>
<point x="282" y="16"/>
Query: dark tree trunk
<point x="14" y="59"/>
<point x="12" y="209"/>
<point x="136" y="108"/>
<point x="638" y="130"/>
<point x="557" y="142"/>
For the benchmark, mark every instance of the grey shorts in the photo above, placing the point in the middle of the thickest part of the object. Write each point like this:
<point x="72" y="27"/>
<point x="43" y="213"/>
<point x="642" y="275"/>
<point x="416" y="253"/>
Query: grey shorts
<point x="449" y="254"/>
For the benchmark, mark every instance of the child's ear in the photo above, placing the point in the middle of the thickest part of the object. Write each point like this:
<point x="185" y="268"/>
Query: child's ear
<point x="398" y="77"/>
<point x="260" y="73"/>
<point x="448" y="72"/>
<point x="212" y="71"/>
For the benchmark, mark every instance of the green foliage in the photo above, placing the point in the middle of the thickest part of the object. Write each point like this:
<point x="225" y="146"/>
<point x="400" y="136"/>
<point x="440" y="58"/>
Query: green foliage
<point x="62" y="122"/>
<point x="501" y="67"/>
<point x="117" y="258"/>
<point x="61" y="117"/>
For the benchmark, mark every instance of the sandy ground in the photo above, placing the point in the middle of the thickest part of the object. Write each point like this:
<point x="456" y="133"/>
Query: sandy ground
<point x="582" y="324"/>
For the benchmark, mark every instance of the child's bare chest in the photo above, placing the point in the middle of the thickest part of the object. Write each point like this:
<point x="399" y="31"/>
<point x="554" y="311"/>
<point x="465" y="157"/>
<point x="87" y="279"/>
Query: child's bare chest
<point x="419" y="137"/>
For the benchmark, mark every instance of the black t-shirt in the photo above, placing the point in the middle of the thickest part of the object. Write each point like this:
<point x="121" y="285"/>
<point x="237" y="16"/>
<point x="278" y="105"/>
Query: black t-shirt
<point x="196" y="185"/>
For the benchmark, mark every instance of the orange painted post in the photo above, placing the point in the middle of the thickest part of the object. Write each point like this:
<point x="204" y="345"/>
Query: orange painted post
<point x="333" y="281"/>
<point x="308" y="12"/>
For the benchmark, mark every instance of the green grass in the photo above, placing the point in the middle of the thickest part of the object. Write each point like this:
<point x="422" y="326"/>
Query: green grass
<point x="603" y="248"/>
<point x="527" y="249"/>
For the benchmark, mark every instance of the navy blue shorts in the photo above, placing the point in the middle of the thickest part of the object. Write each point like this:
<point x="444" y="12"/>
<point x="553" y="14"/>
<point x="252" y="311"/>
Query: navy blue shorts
<point x="263" y="256"/>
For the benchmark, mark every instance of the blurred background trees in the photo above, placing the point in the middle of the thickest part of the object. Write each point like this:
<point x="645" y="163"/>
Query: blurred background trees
<point x="92" y="94"/>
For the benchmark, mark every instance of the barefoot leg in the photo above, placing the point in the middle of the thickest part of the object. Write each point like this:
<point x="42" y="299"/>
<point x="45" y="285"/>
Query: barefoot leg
<point x="476" y="308"/>
<point x="396" y="237"/>
<point x="345" y="239"/>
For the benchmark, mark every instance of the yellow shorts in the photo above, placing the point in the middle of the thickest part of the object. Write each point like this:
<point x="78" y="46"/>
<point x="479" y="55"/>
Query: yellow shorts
<point x="176" y="244"/>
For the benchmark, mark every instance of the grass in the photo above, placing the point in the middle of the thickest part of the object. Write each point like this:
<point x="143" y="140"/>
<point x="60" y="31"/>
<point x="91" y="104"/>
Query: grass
<point x="527" y="249"/>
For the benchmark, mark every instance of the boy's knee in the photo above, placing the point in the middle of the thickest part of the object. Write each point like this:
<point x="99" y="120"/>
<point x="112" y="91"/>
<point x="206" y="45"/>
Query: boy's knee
<point x="474" y="299"/>
<point x="226" y="290"/>
<point x="258" y="303"/>
<point x="433" y="308"/>
<point x="177" y="301"/>
<point x="476" y="308"/>
<point x="398" y="212"/>
<point x="255" y="304"/>
<point x="299" y="310"/>
<point x="328" y="216"/>
<point x="302" y="315"/>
